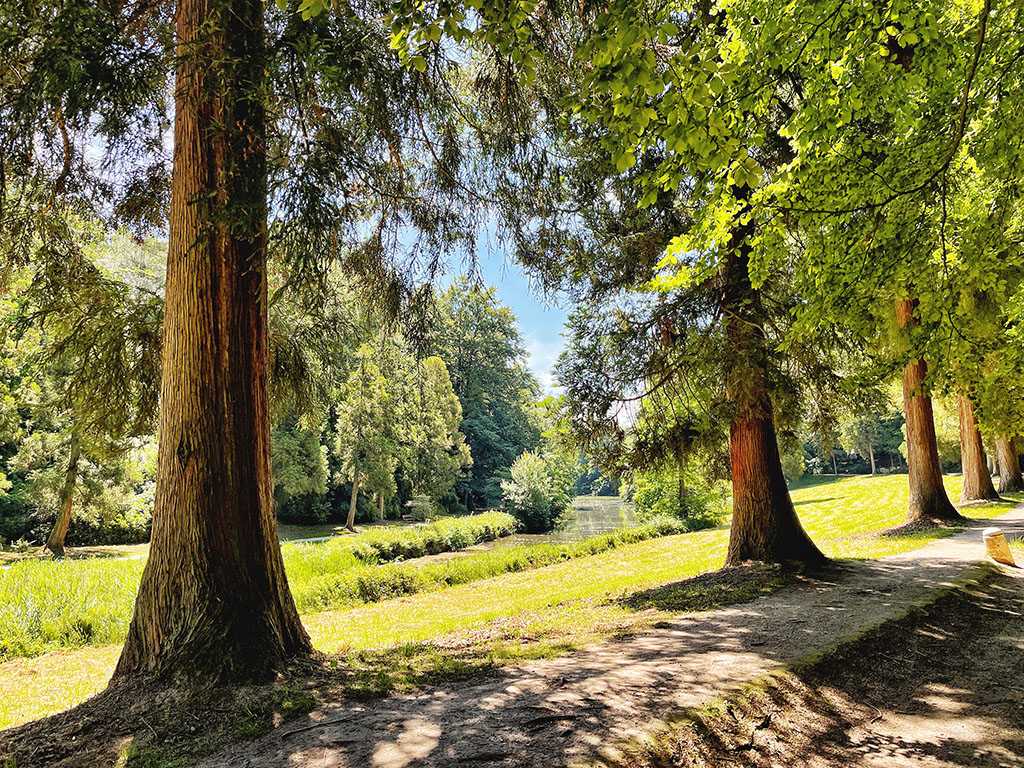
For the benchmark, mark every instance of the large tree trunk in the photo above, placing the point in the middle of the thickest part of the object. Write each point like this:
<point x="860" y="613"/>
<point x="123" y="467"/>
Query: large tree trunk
<point x="1010" y="478"/>
<point x="764" y="522"/>
<point x="977" y="480"/>
<point x="871" y="453"/>
<point x="214" y="604"/>
<point x="928" y="498"/>
<point x="351" y="522"/>
<point x="55" y="541"/>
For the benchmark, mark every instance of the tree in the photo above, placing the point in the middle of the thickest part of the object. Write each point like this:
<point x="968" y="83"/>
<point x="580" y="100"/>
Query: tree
<point x="92" y="368"/>
<point x="299" y="464"/>
<point x="928" y="499"/>
<point x="539" y="489"/>
<point x="344" y="180"/>
<point x="481" y="347"/>
<point x="977" y="480"/>
<point x="368" y="431"/>
<point x="436" y="450"/>
<point x="1010" y="478"/>
<point x="861" y="435"/>
<point x="214" y="599"/>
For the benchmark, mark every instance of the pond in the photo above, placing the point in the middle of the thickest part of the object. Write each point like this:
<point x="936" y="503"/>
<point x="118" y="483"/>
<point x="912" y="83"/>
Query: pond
<point x="589" y="516"/>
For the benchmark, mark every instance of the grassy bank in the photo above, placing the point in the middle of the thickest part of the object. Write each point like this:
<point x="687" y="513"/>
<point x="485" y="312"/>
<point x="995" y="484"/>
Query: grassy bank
<point x="51" y="605"/>
<point x="47" y="604"/>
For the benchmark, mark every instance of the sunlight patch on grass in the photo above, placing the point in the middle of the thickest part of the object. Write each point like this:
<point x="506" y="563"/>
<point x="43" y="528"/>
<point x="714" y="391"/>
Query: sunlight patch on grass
<point x="40" y="686"/>
<point x="418" y="617"/>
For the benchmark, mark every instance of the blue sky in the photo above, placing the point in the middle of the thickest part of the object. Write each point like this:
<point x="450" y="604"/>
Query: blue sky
<point x="541" y="320"/>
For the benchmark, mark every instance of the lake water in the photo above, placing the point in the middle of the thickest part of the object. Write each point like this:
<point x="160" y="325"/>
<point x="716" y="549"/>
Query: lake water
<point x="590" y="516"/>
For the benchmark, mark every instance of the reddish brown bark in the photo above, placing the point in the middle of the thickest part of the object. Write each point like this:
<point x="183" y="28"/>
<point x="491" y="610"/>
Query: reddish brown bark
<point x="55" y="541"/>
<point x="928" y="498"/>
<point x="214" y="603"/>
<point x="1010" y="478"/>
<point x="765" y="526"/>
<point x="977" y="481"/>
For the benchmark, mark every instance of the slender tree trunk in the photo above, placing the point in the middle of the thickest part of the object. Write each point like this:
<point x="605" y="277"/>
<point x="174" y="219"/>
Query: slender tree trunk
<point x="681" y="476"/>
<point x="351" y="522"/>
<point x="55" y="541"/>
<point x="1010" y="478"/>
<point x="214" y="603"/>
<point x="977" y="478"/>
<point x="835" y="469"/>
<point x="380" y="506"/>
<point x="928" y="498"/>
<point x="871" y="454"/>
<point x="765" y="526"/>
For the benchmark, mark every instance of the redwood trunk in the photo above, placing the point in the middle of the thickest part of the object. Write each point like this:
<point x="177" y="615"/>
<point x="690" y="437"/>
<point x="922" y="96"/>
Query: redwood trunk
<point x="928" y="498"/>
<point x="765" y="526"/>
<point x="214" y="603"/>
<point x="55" y="541"/>
<point x="351" y="522"/>
<point x="1010" y="478"/>
<point x="977" y="480"/>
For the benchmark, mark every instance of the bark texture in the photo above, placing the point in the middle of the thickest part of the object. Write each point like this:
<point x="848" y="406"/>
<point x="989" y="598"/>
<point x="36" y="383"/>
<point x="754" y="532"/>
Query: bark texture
<point x="55" y="541"/>
<point x="1010" y="478"/>
<point x="765" y="526"/>
<point x="928" y="498"/>
<point x="214" y="602"/>
<point x="977" y="480"/>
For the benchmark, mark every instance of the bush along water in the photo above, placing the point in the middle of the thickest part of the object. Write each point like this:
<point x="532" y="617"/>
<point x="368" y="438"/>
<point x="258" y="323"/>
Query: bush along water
<point x="657" y="494"/>
<point x="540" y="488"/>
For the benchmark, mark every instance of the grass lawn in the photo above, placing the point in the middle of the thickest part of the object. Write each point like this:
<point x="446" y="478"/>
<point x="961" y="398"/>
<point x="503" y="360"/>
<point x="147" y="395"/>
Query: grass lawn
<point x="568" y="603"/>
<point x="48" y="605"/>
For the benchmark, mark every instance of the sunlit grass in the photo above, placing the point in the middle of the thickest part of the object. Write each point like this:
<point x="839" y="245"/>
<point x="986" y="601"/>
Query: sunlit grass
<point x="608" y="575"/>
<point x="47" y="605"/>
<point x="839" y="514"/>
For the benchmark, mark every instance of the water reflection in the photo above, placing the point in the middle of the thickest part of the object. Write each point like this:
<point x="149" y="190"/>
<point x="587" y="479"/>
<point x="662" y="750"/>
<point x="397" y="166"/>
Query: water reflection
<point x="589" y="516"/>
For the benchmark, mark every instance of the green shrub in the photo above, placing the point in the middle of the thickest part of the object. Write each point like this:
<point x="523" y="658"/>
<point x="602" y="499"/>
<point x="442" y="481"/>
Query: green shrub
<point x="656" y="495"/>
<point x="540" y="489"/>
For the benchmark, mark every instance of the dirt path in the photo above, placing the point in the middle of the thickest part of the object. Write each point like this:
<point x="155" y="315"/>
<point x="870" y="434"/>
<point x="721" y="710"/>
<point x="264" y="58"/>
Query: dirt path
<point x="570" y="709"/>
<point x="940" y="688"/>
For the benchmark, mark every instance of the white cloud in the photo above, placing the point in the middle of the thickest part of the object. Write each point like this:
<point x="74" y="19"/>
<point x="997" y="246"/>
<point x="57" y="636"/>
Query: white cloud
<point x="541" y="357"/>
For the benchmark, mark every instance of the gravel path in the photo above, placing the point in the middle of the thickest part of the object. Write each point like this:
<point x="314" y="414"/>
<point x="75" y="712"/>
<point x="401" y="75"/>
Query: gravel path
<point x="568" y="710"/>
